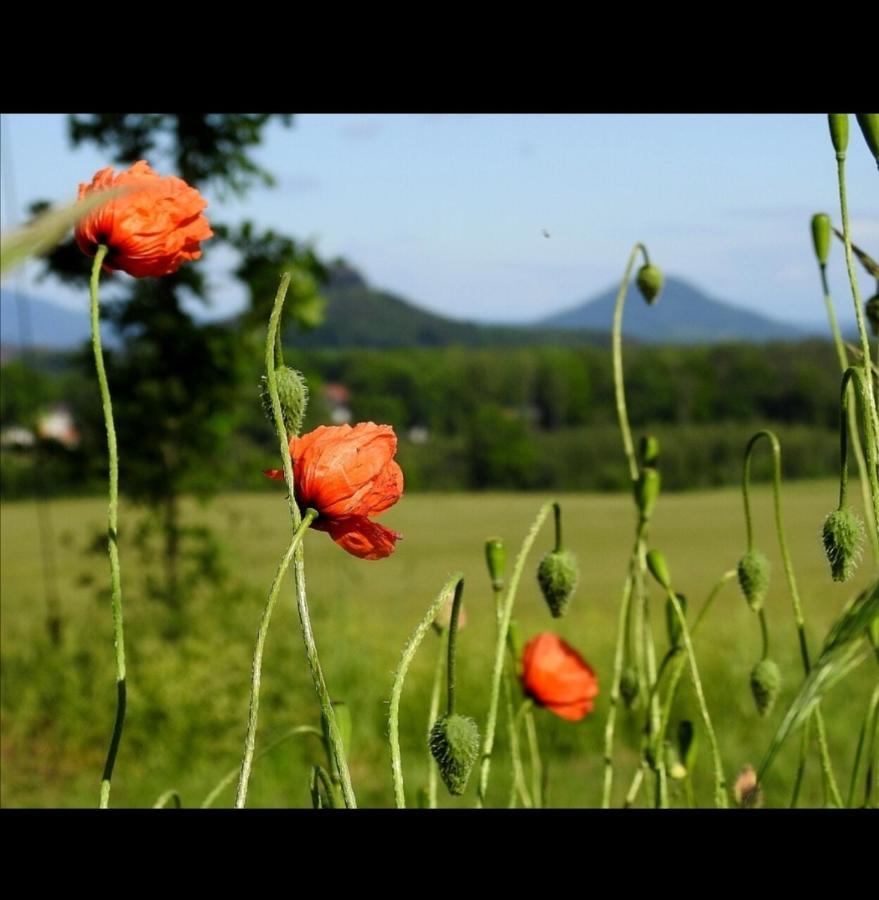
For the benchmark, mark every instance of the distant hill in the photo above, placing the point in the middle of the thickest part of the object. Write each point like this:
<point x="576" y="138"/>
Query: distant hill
<point x="682" y="314"/>
<point x="52" y="326"/>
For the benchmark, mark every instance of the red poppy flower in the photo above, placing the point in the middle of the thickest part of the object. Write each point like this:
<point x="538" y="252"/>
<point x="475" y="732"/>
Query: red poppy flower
<point x="151" y="229"/>
<point x="348" y="474"/>
<point x="554" y="675"/>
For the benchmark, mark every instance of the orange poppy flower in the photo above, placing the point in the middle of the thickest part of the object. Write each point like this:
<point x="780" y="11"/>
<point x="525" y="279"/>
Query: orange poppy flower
<point x="151" y="229"/>
<point x="348" y="474"/>
<point x="554" y="675"/>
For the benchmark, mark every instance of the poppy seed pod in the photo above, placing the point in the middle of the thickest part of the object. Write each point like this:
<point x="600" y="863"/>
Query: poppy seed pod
<point x="293" y="394"/>
<point x="821" y="237"/>
<point x="647" y="489"/>
<point x="765" y="685"/>
<point x="871" y="308"/>
<point x="839" y="132"/>
<point x="649" y="281"/>
<point x="869" y="123"/>
<point x="454" y="744"/>
<point x="557" y="576"/>
<point x="753" y="572"/>
<point x="496" y="559"/>
<point x="659" y="568"/>
<point x="629" y="686"/>
<point x="842" y="535"/>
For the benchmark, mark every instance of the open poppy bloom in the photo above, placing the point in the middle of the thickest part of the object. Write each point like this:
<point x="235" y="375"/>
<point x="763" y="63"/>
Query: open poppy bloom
<point x="348" y="474"/>
<point x="151" y="229"/>
<point x="554" y="675"/>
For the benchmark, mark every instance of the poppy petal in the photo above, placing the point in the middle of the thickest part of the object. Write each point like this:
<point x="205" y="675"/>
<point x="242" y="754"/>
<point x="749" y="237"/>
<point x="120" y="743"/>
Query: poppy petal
<point x="361" y="537"/>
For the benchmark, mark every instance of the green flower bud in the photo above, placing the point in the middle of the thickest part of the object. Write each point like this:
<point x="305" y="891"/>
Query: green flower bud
<point x="454" y="744"/>
<point x="869" y="123"/>
<point x="673" y="624"/>
<point x="842" y="536"/>
<point x="557" y="576"/>
<point x="821" y="237"/>
<point x="496" y="559"/>
<point x="649" y="281"/>
<point x="765" y="685"/>
<point x="688" y="744"/>
<point x="658" y="568"/>
<point x="753" y="573"/>
<point x="871" y="308"/>
<point x="629" y="686"/>
<point x="293" y="394"/>
<point x="649" y="451"/>
<point x="839" y="132"/>
<point x="647" y="491"/>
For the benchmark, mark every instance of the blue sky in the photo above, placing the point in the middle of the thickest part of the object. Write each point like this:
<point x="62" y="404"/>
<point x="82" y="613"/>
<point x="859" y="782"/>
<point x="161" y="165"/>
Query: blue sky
<point x="450" y="210"/>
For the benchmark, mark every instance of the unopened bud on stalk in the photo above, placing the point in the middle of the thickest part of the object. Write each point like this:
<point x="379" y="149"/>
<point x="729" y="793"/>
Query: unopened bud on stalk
<point x="871" y="308"/>
<point x="496" y="558"/>
<point x="293" y="394"/>
<point x="839" y="132"/>
<point x="647" y="491"/>
<point x="765" y="685"/>
<point x="673" y="624"/>
<point x="648" y="451"/>
<point x="747" y="793"/>
<point x="869" y="123"/>
<point x="658" y="568"/>
<point x="557" y="575"/>
<point x="649" y="281"/>
<point x="821" y="237"/>
<point x="842" y="536"/>
<point x="454" y="744"/>
<point x="443" y="618"/>
<point x="629" y="686"/>
<point x="688" y="744"/>
<point x="753" y="571"/>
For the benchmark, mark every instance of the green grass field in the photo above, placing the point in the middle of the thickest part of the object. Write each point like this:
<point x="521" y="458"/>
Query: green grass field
<point x="188" y="694"/>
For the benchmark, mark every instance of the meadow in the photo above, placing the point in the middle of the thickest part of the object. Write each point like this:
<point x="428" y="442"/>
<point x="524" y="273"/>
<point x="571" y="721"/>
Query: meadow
<point x="189" y="669"/>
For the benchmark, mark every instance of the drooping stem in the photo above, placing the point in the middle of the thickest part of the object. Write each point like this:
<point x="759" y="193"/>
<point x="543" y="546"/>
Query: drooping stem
<point x="453" y="639"/>
<point x="557" y="509"/>
<point x="433" y="714"/>
<point x="112" y="532"/>
<point x="498" y="668"/>
<point x="256" y="670"/>
<point x="400" y="676"/>
<point x="764" y="631"/>
<point x="826" y="766"/>
<point x="724" y="580"/>
<point x="169" y="796"/>
<point x="328" y="716"/>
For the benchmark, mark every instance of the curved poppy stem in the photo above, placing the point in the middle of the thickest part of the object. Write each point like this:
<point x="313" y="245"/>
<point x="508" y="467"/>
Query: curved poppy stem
<point x="400" y="676"/>
<point x="498" y="669"/>
<point x="112" y="531"/>
<point x="170" y="796"/>
<point x="328" y="716"/>
<point x="256" y="678"/>
<point x="433" y="715"/>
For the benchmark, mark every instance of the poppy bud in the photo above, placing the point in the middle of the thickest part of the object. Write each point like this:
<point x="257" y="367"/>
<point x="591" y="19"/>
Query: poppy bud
<point x="557" y="575"/>
<point x="496" y="558"/>
<point x="821" y="237"/>
<point x="658" y="568"/>
<point x="629" y="686"/>
<point x="765" y="685"/>
<point x="747" y="793"/>
<point x="649" y="451"/>
<point x="293" y="394"/>
<point x="688" y="744"/>
<point x="672" y="622"/>
<point x="839" y="132"/>
<point x="753" y="571"/>
<point x="647" y="491"/>
<point x="869" y="123"/>
<point x="454" y="743"/>
<point x="871" y="308"/>
<point x="842" y="535"/>
<point x="649" y="281"/>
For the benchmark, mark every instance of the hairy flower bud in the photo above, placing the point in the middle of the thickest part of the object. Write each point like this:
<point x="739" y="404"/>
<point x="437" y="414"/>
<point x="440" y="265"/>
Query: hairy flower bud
<point x="454" y="744"/>
<point x="659" y="568"/>
<point x="649" y="281"/>
<point x="629" y="686"/>
<point x="765" y="685"/>
<point x="648" y="450"/>
<point x="842" y="535"/>
<point x="293" y="394"/>
<point x="821" y="237"/>
<point x="557" y="575"/>
<point x="753" y="571"/>
<point x="496" y="559"/>
<point x="839" y="132"/>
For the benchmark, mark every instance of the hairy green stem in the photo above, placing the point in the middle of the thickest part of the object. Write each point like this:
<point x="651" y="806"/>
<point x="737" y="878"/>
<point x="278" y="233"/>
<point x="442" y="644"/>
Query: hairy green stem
<point x="764" y="631"/>
<point x="256" y="669"/>
<point x="328" y="716"/>
<point x="112" y="532"/>
<point x="400" y="676"/>
<point x="855" y="375"/>
<point x="168" y="797"/>
<point x="498" y="668"/>
<point x="801" y="764"/>
<point x="433" y="715"/>
<point x="453" y="640"/>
